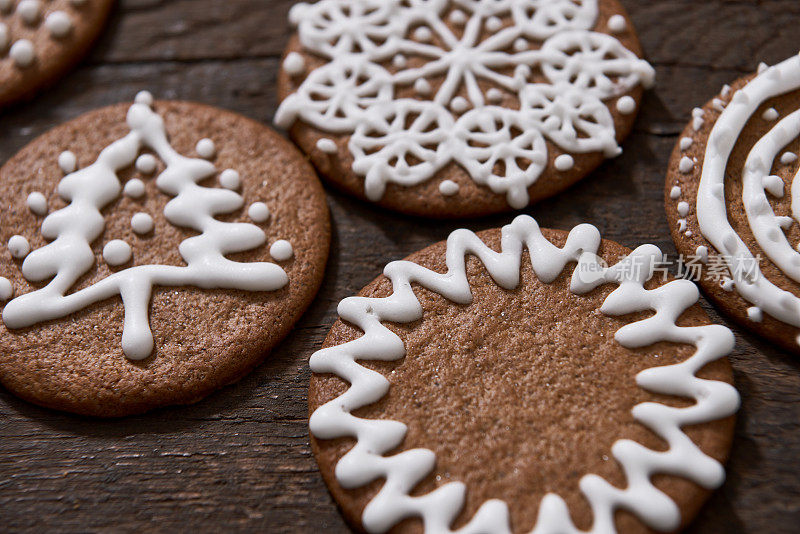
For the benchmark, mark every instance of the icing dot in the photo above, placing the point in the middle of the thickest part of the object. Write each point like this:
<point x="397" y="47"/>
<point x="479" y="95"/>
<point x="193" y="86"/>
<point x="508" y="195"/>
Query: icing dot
<point x="146" y="164"/>
<point x="22" y="53"/>
<point x="6" y="289"/>
<point x="294" y="64"/>
<point x="58" y="23"/>
<point x="688" y="233"/>
<point x="67" y="162"/>
<point x="675" y="192"/>
<point x="423" y="34"/>
<point x="144" y="97"/>
<point x="3" y="37"/>
<point x="686" y="165"/>
<point x="770" y="115"/>
<point x="626" y="105"/>
<point x="727" y="284"/>
<point x="19" y="247"/>
<point x="258" y="211"/>
<point x="422" y="86"/>
<point x="493" y="24"/>
<point x="117" y="252"/>
<point x="754" y="314"/>
<point x="458" y="17"/>
<point x="702" y="253"/>
<point x="448" y="188"/>
<point x="205" y="148"/>
<point x="686" y="143"/>
<point x="564" y="162"/>
<point x="520" y="45"/>
<point x="399" y="61"/>
<point x="617" y="23"/>
<point x="37" y="203"/>
<point x="697" y="123"/>
<point x="726" y="90"/>
<point x="230" y="179"/>
<point x="494" y="95"/>
<point x="718" y="104"/>
<point x="762" y="67"/>
<point x="683" y="208"/>
<point x="682" y="225"/>
<point x="134" y="188"/>
<point x="281" y="250"/>
<point x="788" y="157"/>
<point x="142" y="223"/>
<point x="328" y="146"/>
<point x="459" y="104"/>
<point x="28" y="10"/>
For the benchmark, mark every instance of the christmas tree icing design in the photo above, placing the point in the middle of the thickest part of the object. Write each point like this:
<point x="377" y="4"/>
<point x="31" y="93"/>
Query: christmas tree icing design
<point x="71" y="231"/>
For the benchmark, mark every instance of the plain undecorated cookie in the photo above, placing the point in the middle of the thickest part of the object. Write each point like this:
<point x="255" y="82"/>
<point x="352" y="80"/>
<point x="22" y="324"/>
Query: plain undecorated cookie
<point x="203" y="338"/>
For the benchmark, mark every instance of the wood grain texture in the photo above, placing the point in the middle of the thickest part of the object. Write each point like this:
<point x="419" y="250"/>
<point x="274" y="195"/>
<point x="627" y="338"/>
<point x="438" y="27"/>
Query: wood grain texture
<point x="240" y="460"/>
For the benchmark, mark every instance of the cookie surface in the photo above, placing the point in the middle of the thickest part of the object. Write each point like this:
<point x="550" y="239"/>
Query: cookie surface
<point x="733" y="201"/>
<point x="40" y="40"/>
<point x="152" y="253"/>
<point x="460" y="108"/>
<point x="508" y="410"/>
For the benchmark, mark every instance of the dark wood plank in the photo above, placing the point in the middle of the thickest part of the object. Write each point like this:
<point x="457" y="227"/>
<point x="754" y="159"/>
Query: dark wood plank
<point x="240" y="460"/>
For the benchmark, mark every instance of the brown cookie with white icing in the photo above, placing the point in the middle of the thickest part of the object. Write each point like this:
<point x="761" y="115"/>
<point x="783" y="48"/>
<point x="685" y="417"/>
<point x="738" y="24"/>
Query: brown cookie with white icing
<point x="41" y="40"/>
<point x="735" y="170"/>
<point x="460" y="108"/>
<point x="523" y="393"/>
<point x="151" y="260"/>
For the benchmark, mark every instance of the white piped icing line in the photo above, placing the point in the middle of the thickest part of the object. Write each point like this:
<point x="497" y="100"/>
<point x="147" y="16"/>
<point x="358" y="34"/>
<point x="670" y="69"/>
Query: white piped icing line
<point x="757" y="182"/>
<point x="366" y="462"/>
<point x="72" y="229"/>
<point x="406" y="141"/>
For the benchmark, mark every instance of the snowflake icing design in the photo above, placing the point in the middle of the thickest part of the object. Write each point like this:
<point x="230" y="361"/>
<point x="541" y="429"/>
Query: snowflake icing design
<point x="459" y="74"/>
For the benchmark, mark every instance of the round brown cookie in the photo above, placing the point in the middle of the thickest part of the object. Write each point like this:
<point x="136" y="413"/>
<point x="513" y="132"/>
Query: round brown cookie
<point x="41" y="40"/>
<point x="519" y="394"/>
<point x="749" y="211"/>
<point x="389" y="129"/>
<point x="257" y="202"/>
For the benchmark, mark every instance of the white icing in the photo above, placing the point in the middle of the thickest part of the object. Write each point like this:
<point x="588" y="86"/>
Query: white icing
<point x="328" y="146"/>
<point x="448" y="188"/>
<point x="117" y="252"/>
<point x="22" y="53"/>
<point x="399" y="61"/>
<point x="683" y="208"/>
<point x="686" y="143"/>
<point x="770" y="114"/>
<point x="58" y="24"/>
<point x="142" y="223"/>
<point x="6" y="289"/>
<point x="626" y="105"/>
<point x="144" y="97"/>
<point x="19" y="247"/>
<point x="72" y="229"/>
<point x="702" y="253"/>
<point x="458" y="17"/>
<point x="146" y="164"/>
<point x="400" y="473"/>
<point x="407" y="141"/>
<point x="67" y="162"/>
<point x="718" y="104"/>
<point x="134" y="188"/>
<point x="294" y="64"/>
<point x="520" y="45"/>
<point x="726" y="90"/>
<point x="230" y="179"/>
<point x="206" y="149"/>
<point x="37" y="203"/>
<point x="564" y="162"/>
<point x="675" y="192"/>
<point x="258" y="212"/>
<point x="788" y="157"/>
<point x="762" y="67"/>
<point x="29" y="11"/>
<point x="686" y="165"/>
<point x="617" y="24"/>
<point x="697" y="119"/>
<point x="755" y="314"/>
<point x="766" y="227"/>
<point x="281" y="250"/>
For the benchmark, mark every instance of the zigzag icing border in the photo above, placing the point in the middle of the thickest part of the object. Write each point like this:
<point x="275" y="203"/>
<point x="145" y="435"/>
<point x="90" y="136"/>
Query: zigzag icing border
<point x="366" y="462"/>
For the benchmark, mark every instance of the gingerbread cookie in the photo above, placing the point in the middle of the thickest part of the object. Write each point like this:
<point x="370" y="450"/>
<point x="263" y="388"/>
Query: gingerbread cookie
<point x="455" y="108"/>
<point x="155" y="252"/>
<point x="733" y="201"/>
<point x="481" y="387"/>
<point x="40" y="40"/>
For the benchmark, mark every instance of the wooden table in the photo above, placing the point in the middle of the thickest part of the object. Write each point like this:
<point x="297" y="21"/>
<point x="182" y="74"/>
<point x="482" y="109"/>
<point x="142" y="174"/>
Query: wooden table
<point x="240" y="460"/>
